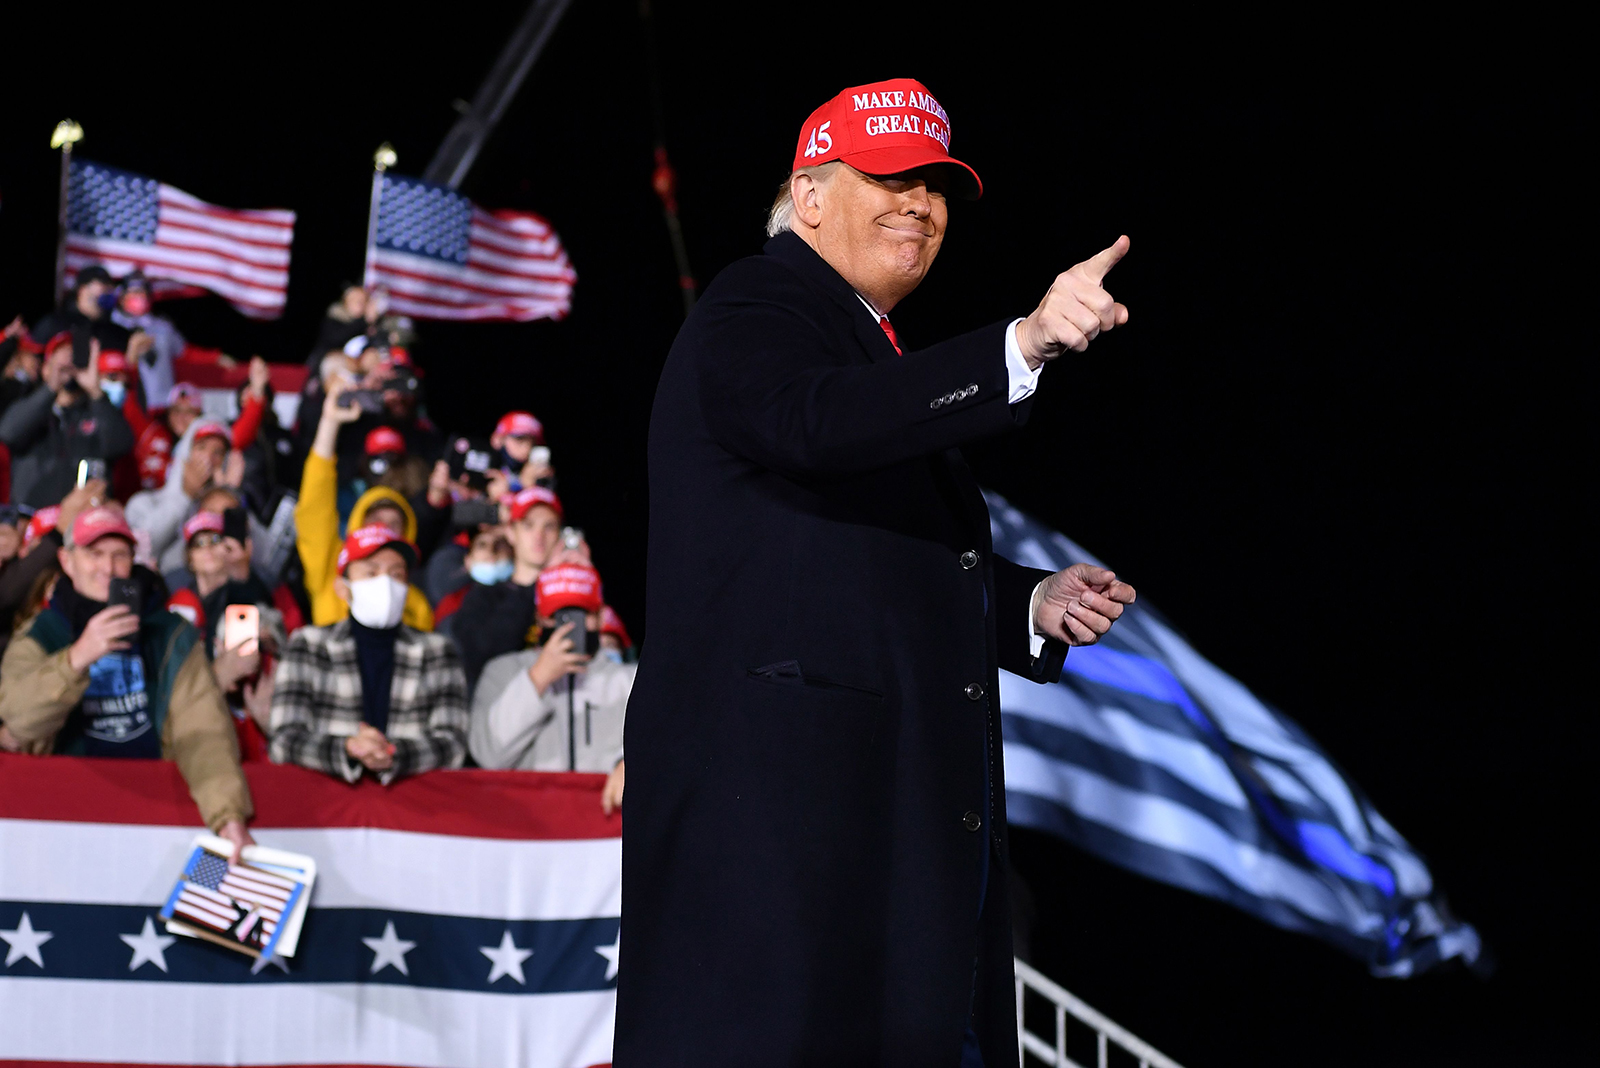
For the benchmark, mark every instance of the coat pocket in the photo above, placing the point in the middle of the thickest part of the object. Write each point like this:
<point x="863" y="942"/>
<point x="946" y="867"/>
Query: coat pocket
<point x="789" y="673"/>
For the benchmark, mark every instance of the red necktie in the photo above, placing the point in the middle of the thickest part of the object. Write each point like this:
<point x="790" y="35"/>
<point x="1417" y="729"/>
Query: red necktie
<point x="883" y="321"/>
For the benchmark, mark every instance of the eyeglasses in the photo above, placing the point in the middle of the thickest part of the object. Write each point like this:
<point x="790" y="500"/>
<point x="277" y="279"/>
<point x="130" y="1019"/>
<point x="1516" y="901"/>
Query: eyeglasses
<point x="205" y="540"/>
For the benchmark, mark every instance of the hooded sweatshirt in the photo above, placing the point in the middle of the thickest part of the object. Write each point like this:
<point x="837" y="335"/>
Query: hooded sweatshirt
<point x="163" y="511"/>
<point x="317" y="533"/>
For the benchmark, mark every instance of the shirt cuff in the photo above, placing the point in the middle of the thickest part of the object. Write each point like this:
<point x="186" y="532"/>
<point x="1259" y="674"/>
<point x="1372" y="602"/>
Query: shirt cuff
<point x="1023" y="380"/>
<point x="1035" y="639"/>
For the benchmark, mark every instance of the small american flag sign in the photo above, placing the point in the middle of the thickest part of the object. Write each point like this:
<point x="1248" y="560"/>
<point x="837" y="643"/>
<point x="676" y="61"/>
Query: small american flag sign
<point x="244" y="906"/>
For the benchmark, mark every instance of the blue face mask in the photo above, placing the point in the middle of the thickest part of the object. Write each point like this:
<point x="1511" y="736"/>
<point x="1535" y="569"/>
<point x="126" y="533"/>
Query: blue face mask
<point x="489" y="574"/>
<point x="613" y="655"/>
<point x="115" y="392"/>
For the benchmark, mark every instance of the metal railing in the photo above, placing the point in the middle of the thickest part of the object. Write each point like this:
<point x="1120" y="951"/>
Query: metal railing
<point x="1106" y="1033"/>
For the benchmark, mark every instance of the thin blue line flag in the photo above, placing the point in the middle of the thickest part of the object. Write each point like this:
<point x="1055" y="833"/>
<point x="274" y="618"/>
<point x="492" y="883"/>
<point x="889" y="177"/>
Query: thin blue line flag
<point x="1149" y="756"/>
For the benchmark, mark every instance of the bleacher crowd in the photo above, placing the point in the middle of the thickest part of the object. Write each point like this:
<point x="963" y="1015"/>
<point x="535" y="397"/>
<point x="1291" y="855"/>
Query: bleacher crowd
<point x="185" y="577"/>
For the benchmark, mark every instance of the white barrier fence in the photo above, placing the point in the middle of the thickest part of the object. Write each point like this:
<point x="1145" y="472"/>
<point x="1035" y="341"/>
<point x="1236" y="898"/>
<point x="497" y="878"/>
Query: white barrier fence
<point x="1054" y="1051"/>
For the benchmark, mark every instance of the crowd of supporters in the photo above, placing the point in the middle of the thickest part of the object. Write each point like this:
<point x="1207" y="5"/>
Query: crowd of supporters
<point x="184" y="576"/>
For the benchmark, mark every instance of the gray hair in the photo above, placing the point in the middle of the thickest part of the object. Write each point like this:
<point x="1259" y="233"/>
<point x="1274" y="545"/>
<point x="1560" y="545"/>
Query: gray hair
<point x="781" y="217"/>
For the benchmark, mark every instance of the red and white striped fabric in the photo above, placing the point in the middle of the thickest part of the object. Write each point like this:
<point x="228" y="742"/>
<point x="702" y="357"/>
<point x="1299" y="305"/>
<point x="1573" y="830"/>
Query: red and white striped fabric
<point x="123" y="221"/>
<point x="460" y="919"/>
<point x="443" y="257"/>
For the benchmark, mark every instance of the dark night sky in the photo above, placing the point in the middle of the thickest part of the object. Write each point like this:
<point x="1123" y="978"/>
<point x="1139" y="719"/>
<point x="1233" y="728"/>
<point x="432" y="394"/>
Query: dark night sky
<point x="1337" y="444"/>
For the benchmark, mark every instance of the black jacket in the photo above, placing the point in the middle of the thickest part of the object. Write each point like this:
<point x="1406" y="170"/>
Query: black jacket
<point x="67" y="316"/>
<point x="501" y="617"/>
<point x="807" y="819"/>
<point x="47" y="444"/>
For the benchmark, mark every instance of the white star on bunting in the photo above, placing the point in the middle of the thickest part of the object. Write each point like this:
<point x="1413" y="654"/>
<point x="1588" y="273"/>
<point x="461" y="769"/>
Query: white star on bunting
<point x="391" y="949"/>
<point x="611" y="953"/>
<point x="507" y="958"/>
<point x="148" y="947"/>
<point x="25" y="942"/>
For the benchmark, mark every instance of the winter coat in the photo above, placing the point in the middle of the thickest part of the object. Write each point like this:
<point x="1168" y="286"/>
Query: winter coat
<point x="46" y="443"/>
<point x="814" y="849"/>
<point x="316" y="703"/>
<point x="39" y="690"/>
<point x="576" y="725"/>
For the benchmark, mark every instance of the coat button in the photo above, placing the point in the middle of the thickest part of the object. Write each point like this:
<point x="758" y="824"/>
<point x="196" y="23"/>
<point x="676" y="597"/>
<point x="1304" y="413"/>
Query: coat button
<point x="969" y="559"/>
<point x="972" y="821"/>
<point x="974" y="691"/>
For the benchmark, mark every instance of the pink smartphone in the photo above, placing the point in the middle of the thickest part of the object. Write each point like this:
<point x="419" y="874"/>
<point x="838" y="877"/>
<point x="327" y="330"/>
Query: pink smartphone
<point x="241" y="624"/>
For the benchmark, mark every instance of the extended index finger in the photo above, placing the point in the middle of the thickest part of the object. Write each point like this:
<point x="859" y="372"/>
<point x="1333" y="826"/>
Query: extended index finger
<point x="1099" y="265"/>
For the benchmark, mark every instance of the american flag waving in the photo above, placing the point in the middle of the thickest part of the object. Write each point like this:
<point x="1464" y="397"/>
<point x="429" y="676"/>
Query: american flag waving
<point x="185" y="246"/>
<point x="443" y="257"/>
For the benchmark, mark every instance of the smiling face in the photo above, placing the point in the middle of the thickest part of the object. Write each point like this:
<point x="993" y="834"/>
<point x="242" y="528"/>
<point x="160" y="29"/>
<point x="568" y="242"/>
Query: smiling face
<point x="92" y="567"/>
<point x="881" y="233"/>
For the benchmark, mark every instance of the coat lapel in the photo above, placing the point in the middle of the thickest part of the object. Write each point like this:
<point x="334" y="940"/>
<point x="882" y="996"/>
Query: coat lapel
<point x="794" y="253"/>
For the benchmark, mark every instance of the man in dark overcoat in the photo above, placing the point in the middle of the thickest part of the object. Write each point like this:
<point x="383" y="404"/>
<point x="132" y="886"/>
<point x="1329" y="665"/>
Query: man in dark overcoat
<point x="814" y="843"/>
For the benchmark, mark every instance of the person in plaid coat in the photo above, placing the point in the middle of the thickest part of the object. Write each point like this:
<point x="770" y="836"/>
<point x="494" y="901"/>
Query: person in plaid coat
<point x="370" y="694"/>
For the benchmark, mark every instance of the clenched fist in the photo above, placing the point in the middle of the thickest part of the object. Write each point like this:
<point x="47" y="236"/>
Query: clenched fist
<point x="1079" y="604"/>
<point x="1075" y="311"/>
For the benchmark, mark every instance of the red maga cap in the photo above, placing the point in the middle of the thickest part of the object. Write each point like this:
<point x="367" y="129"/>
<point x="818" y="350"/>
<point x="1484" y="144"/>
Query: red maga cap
<point x="364" y="541"/>
<point x="212" y="430"/>
<point x="56" y="340"/>
<point x="96" y="523"/>
<point x="571" y="585"/>
<point x="884" y="128"/>
<point x="201" y="522"/>
<point x="385" y="439"/>
<point x="113" y="363"/>
<point x="611" y="623"/>
<point x="519" y="503"/>
<point x="186" y="392"/>
<point x="520" y="425"/>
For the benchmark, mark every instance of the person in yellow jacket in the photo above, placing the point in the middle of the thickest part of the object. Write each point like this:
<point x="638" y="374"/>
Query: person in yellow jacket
<point x="316" y="520"/>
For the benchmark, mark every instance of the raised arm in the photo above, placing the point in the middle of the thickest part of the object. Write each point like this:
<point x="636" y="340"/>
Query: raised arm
<point x="779" y="390"/>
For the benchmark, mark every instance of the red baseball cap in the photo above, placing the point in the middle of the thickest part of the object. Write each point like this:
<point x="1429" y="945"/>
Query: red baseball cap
<point x="113" y="363"/>
<point x="96" y="523"/>
<point x="186" y="392"/>
<point x="364" y="541"/>
<point x="884" y="128"/>
<point x="522" y="500"/>
<point x="211" y="430"/>
<point x="385" y="439"/>
<point x="56" y="340"/>
<point x="41" y="523"/>
<point x="571" y="585"/>
<point x="611" y="623"/>
<point x="201" y="522"/>
<point x="520" y="425"/>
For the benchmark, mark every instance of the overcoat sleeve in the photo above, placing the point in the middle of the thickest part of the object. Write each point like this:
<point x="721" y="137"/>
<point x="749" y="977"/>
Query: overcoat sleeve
<point x="780" y="386"/>
<point x="1014" y="586"/>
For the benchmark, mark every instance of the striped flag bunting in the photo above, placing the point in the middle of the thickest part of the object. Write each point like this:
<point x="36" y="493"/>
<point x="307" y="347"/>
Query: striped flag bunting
<point x="1149" y="756"/>
<point x="185" y="246"/>
<point x="443" y="257"/>
<point x="460" y="918"/>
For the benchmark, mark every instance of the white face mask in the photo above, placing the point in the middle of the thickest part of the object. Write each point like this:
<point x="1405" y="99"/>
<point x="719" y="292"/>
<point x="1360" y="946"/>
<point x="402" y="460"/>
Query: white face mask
<point x="378" y="602"/>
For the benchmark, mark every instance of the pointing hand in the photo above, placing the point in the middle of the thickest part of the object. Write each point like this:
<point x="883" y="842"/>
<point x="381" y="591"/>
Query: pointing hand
<point x="1075" y="311"/>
